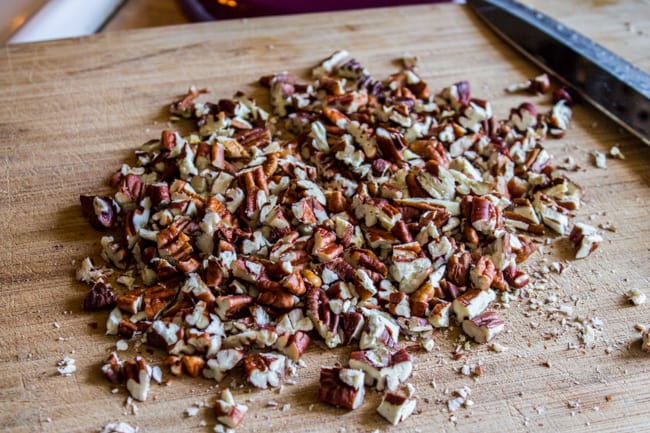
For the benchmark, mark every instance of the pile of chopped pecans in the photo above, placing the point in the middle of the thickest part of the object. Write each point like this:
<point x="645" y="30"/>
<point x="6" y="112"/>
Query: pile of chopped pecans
<point x="359" y="211"/>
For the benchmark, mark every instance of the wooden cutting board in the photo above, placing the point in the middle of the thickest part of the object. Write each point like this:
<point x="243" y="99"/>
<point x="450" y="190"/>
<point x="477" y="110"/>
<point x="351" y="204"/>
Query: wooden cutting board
<point x="72" y="111"/>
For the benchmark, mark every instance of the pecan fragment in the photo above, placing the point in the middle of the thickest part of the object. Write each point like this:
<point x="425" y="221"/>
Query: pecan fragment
<point x="396" y="406"/>
<point x="113" y="369"/>
<point x="100" y="211"/>
<point x="138" y="377"/>
<point x="341" y="387"/>
<point x="472" y="303"/>
<point x="99" y="297"/>
<point x="227" y="411"/>
<point x="383" y="369"/>
<point x="585" y="239"/>
<point x="483" y="328"/>
<point x="264" y="370"/>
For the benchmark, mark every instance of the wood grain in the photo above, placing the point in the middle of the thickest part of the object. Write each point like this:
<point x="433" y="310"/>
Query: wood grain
<point x="71" y="111"/>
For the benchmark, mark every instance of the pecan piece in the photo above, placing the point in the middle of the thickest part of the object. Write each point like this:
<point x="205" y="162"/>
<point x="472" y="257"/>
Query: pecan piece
<point x="99" y="297"/>
<point x="264" y="370"/>
<point x="409" y="268"/>
<point x="113" y="369"/>
<point x="483" y="328"/>
<point x="277" y="299"/>
<point x="391" y="143"/>
<point x="293" y="345"/>
<point x="515" y="277"/>
<point x="458" y="268"/>
<point x="398" y="305"/>
<point x="585" y="239"/>
<point x="325" y="321"/>
<point x="130" y="301"/>
<point x="100" y="211"/>
<point x="193" y="364"/>
<point x="325" y="247"/>
<point x="482" y="274"/>
<point x="381" y="330"/>
<point x="439" y="316"/>
<point x="341" y="387"/>
<point x="138" y="377"/>
<point x="539" y="85"/>
<point x="396" y="406"/>
<point x="420" y="299"/>
<point x="352" y="324"/>
<point x="229" y="412"/>
<point x="485" y="216"/>
<point x="383" y="369"/>
<point x="472" y="303"/>
<point x="229" y="305"/>
<point x="224" y="361"/>
<point x="127" y="328"/>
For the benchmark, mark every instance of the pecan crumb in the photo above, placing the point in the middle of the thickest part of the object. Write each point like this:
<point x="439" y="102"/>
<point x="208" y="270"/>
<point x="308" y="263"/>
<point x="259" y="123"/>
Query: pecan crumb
<point x="635" y="296"/>
<point x="66" y="366"/>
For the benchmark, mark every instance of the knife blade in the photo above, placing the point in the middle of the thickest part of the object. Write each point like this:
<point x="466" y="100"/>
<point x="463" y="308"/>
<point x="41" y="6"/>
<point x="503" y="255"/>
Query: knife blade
<point x="613" y="85"/>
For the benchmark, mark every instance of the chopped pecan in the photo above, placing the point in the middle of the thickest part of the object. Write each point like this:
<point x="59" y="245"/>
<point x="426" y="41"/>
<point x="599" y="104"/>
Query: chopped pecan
<point x="264" y="370"/>
<point x="440" y="312"/>
<point x="293" y="345"/>
<point x="483" y="328"/>
<point x="127" y="328"/>
<point x="325" y="321"/>
<point x="100" y="211"/>
<point x="398" y="305"/>
<point x="130" y="301"/>
<point x="585" y="239"/>
<point x="341" y="387"/>
<point x="383" y="369"/>
<point x="482" y="274"/>
<point x="472" y="303"/>
<point x="229" y="305"/>
<point x="113" y="369"/>
<point x="278" y="299"/>
<point x="396" y="406"/>
<point x="380" y="330"/>
<point x="193" y="364"/>
<point x="352" y="324"/>
<point x="420" y="299"/>
<point x="366" y="258"/>
<point x="138" y="377"/>
<point x="516" y="277"/>
<point x="325" y="247"/>
<point x="99" y="297"/>
<point x="538" y="85"/>
<point x="458" y="267"/>
<point x="224" y="361"/>
<point x="227" y="411"/>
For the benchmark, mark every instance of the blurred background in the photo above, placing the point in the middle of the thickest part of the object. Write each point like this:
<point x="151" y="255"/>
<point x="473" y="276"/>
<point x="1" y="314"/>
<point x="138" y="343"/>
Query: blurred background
<point x="35" y="20"/>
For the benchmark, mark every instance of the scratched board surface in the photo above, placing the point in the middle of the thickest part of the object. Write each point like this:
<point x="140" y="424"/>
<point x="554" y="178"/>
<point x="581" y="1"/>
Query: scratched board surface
<point x="72" y="111"/>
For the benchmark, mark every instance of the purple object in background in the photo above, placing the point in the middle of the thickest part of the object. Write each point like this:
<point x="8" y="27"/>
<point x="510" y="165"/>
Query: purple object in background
<point x="208" y="10"/>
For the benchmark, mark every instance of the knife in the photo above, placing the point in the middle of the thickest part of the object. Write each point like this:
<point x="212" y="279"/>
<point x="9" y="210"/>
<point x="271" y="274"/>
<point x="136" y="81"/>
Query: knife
<point x="617" y="88"/>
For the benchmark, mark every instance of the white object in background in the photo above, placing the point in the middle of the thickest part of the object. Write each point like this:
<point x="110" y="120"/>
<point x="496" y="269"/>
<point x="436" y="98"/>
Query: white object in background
<point x="59" y="19"/>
